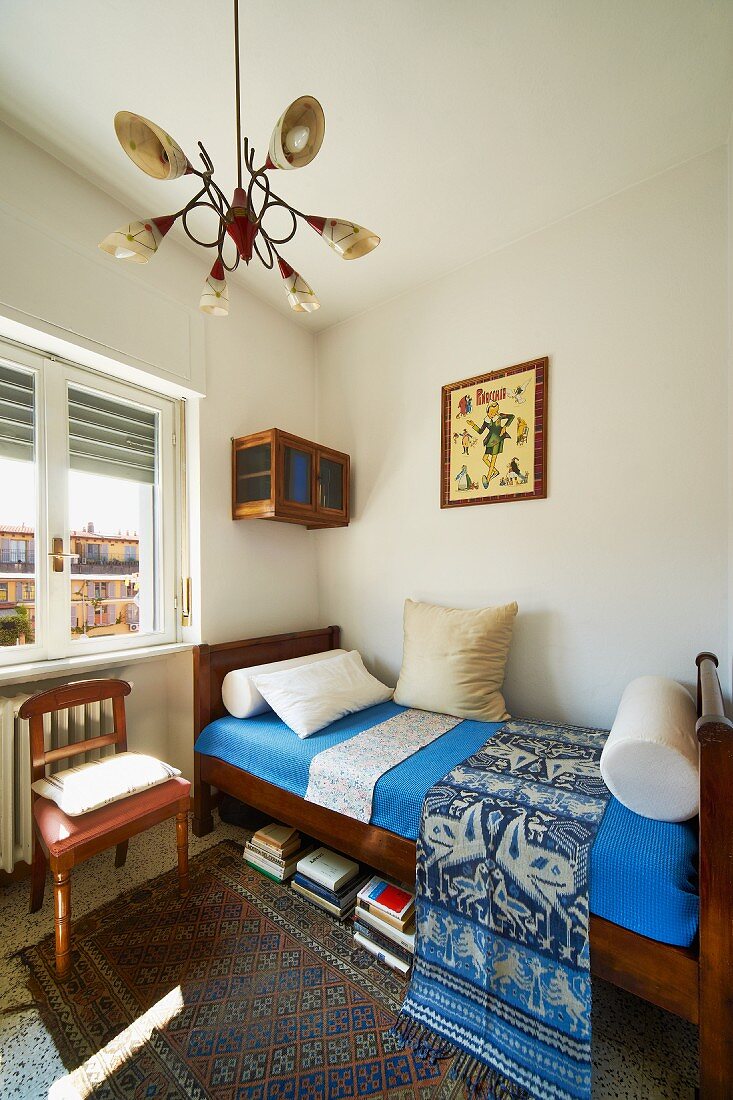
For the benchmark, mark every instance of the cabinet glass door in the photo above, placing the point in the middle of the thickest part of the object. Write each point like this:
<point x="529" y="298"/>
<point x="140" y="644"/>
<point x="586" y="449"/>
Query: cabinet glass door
<point x="297" y="476"/>
<point x="254" y="477"/>
<point x="331" y="484"/>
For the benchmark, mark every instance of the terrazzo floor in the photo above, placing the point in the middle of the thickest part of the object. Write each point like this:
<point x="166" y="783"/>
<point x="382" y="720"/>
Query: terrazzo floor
<point x="639" y="1052"/>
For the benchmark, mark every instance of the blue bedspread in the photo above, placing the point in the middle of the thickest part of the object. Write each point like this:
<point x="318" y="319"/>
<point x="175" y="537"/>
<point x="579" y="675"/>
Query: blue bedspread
<point x="642" y="872"/>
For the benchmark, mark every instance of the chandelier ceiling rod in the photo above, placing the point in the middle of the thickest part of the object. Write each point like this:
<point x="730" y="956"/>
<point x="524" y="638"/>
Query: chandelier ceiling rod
<point x="237" y="93"/>
<point x="294" y="143"/>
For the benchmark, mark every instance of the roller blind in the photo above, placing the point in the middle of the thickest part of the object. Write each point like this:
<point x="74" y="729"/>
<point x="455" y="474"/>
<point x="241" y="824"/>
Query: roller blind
<point x="16" y="413"/>
<point x="111" y="437"/>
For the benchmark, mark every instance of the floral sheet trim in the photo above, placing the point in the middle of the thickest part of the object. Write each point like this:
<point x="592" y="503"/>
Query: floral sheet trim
<point x="343" y="777"/>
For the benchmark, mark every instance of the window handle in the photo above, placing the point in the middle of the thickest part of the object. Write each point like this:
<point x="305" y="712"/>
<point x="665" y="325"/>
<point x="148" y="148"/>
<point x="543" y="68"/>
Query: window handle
<point x="57" y="553"/>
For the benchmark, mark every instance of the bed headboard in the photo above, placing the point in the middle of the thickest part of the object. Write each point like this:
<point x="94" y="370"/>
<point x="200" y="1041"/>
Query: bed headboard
<point x="212" y="662"/>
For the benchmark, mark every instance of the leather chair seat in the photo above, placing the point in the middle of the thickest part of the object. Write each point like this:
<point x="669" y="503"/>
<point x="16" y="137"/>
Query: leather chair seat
<point x="61" y="832"/>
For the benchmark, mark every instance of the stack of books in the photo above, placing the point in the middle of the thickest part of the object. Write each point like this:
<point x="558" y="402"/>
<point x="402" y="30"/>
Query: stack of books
<point x="384" y="922"/>
<point x="275" y="850"/>
<point x="328" y="880"/>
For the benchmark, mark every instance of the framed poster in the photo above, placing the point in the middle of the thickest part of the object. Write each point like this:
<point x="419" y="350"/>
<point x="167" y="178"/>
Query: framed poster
<point x="494" y="444"/>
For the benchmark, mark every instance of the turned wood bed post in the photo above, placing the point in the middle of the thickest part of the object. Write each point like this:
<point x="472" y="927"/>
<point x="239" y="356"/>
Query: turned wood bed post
<point x="715" y="734"/>
<point x="203" y="822"/>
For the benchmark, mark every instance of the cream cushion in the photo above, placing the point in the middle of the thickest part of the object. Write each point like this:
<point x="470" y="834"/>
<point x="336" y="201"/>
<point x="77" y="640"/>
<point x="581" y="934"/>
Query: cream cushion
<point x="453" y="661"/>
<point x="309" y="697"/>
<point x="89" y="786"/>
<point x="651" y="761"/>
<point x="239" y="694"/>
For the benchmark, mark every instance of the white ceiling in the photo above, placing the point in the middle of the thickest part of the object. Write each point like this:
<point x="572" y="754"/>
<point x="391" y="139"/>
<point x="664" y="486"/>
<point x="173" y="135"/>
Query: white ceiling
<point x="452" y="128"/>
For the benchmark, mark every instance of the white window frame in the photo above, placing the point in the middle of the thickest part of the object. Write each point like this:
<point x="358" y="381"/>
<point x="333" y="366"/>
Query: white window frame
<point x="53" y="590"/>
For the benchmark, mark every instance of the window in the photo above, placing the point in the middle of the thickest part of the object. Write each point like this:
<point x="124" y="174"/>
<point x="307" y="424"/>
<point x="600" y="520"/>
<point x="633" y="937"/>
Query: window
<point x="88" y="468"/>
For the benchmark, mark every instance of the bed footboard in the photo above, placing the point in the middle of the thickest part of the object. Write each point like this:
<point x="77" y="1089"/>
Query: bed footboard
<point x="715" y="734"/>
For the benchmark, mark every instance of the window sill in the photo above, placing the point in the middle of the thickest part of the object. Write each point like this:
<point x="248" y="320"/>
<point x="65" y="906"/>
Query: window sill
<point x="69" y="666"/>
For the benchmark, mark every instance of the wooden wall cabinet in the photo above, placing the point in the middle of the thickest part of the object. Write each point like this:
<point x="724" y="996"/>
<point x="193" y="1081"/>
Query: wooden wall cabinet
<point x="280" y="476"/>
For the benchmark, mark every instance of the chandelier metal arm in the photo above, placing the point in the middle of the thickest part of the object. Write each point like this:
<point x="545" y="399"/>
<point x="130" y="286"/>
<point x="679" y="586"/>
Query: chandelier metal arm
<point x="258" y="174"/>
<point x="207" y="206"/>
<point x="269" y="263"/>
<point x="288" y="236"/>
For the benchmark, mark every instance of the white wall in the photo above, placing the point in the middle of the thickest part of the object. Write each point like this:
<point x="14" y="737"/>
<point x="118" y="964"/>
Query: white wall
<point x="623" y="569"/>
<point x="54" y="277"/>
<point x="258" y="578"/>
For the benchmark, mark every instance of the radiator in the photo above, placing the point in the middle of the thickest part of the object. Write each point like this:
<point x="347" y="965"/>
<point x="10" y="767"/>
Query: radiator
<point x="61" y="728"/>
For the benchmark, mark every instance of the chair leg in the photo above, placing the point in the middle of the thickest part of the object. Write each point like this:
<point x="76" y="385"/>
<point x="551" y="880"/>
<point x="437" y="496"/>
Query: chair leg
<point x="121" y="853"/>
<point x="182" y="845"/>
<point x="38" y="876"/>
<point x="62" y="913"/>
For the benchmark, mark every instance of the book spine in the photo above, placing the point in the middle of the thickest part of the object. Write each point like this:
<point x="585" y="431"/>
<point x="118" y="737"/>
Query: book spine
<point x="397" y="914"/>
<point x="264" y="861"/>
<point x="326" y="906"/>
<point x="370" y="896"/>
<point x="316" y="888"/>
<point x="405" y="939"/>
<point x="262" y="864"/>
<point x="260" y="839"/>
<point x="385" y="916"/>
<point x="338" y="899"/>
<point x="323" y="878"/>
<point x="382" y="941"/>
<point x="384" y="956"/>
<point x="264" y="853"/>
<point x="262" y="871"/>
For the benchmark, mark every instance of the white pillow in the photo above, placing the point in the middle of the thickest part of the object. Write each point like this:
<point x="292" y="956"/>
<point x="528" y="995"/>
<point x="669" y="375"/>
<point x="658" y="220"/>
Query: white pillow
<point x="650" y="761"/>
<point x="242" y="699"/>
<point x="453" y="660"/>
<point x="89" y="786"/>
<point x="312" y="696"/>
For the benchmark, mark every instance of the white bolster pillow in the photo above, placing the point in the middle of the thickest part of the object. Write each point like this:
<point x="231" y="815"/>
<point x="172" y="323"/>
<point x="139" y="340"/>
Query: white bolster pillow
<point x="242" y="699"/>
<point x="650" y="761"/>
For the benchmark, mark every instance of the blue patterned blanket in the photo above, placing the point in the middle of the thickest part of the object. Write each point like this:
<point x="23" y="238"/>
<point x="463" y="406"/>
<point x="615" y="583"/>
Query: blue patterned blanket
<point x="502" y="959"/>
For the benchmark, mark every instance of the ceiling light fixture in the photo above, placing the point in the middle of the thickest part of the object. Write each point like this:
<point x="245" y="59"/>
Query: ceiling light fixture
<point x="295" y="141"/>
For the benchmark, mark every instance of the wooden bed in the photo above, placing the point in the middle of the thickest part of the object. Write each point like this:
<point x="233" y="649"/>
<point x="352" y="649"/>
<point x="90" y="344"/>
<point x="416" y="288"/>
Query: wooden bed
<point x="695" y="983"/>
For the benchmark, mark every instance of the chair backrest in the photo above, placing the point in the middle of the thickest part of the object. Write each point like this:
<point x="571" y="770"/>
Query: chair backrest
<point x="64" y="698"/>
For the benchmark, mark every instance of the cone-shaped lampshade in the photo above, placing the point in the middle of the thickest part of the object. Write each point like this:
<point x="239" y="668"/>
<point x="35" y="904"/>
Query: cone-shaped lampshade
<point x="137" y="241"/>
<point x="298" y="134"/>
<point x="300" y="296"/>
<point x="149" y="147"/>
<point x="242" y="225"/>
<point x="215" y="296"/>
<point x="350" y="241"/>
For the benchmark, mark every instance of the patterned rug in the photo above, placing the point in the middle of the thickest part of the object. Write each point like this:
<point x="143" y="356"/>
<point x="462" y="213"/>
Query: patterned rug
<point x="241" y="990"/>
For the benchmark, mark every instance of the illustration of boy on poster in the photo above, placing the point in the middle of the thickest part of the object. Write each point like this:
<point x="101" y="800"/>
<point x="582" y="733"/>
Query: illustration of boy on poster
<point x="495" y="425"/>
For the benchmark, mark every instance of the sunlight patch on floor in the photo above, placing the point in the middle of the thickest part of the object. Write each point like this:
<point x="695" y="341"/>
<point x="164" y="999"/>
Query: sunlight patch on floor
<point x="83" y="1082"/>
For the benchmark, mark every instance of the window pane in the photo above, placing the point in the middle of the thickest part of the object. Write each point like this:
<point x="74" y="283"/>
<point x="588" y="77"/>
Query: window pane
<point x="113" y="535"/>
<point x="17" y="508"/>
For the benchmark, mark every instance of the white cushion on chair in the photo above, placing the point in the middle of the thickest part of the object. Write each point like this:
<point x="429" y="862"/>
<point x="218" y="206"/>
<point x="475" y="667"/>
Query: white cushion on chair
<point x="89" y="786"/>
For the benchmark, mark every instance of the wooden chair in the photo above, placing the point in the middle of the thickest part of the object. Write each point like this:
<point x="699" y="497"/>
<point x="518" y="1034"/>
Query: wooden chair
<point x="63" y="841"/>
